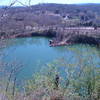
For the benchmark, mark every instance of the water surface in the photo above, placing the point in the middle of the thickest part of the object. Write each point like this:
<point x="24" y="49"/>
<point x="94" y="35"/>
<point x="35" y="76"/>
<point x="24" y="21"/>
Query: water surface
<point x="35" y="52"/>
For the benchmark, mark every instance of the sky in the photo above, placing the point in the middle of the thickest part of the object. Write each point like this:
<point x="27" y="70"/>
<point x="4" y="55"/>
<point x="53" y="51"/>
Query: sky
<point x="7" y="2"/>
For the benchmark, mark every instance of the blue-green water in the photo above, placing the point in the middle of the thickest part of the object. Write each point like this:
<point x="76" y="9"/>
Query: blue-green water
<point x="35" y="52"/>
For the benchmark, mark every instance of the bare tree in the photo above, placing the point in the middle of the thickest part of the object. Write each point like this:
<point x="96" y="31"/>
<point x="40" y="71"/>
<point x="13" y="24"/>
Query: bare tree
<point x="15" y="69"/>
<point x="12" y="4"/>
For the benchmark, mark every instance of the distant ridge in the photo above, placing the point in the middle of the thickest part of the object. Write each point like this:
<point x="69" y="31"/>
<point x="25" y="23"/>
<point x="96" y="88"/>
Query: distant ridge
<point x="2" y="6"/>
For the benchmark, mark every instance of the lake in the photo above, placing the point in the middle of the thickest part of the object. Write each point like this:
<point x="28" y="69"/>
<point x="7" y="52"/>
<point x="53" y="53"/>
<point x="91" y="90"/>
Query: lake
<point x="33" y="53"/>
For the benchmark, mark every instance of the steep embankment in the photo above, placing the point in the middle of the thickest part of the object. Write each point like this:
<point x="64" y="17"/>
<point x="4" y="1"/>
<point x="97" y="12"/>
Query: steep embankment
<point x="64" y="36"/>
<point x="86" y="35"/>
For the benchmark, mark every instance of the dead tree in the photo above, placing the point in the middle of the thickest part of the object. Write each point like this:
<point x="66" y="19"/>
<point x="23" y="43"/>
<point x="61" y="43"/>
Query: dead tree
<point x="13" y="91"/>
<point x="57" y="81"/>
<point x="16" y="68"/>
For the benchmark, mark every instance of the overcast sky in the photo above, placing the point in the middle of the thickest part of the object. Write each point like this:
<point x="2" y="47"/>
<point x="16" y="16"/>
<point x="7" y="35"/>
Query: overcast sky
<point x="7" y="2"/>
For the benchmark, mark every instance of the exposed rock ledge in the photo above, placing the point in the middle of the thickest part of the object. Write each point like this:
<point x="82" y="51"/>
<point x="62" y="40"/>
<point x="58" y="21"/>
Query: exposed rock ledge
<point x="64" y="36"/>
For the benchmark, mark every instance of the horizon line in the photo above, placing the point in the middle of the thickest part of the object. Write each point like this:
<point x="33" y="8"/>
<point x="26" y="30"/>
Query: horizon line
<point x="55" y="3"/>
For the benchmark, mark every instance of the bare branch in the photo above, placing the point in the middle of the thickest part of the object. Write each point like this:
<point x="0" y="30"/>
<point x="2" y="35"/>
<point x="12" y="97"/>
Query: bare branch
<point x="12" y="3"/>
<point x="29" y="2"/>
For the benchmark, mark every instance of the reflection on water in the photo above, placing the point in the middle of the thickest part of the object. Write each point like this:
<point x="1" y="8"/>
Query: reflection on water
<point x="34" y="52"/>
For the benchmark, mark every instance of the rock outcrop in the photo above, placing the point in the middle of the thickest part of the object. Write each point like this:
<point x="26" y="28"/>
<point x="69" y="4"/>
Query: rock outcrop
<point x="63" y="36"/>
<point x="70" y="36"/>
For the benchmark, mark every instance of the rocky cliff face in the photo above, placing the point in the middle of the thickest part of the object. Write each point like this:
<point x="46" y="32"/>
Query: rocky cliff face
<point x="87" y="35"/>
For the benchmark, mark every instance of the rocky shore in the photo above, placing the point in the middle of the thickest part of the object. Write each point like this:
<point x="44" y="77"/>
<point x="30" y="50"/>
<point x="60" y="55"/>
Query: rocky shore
<point x="62" y="36"/>
<point x="84" y="35"/>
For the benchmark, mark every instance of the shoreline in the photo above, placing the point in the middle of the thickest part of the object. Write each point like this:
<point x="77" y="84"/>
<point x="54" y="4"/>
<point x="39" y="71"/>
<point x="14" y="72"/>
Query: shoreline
<point x="63" y="36"/>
